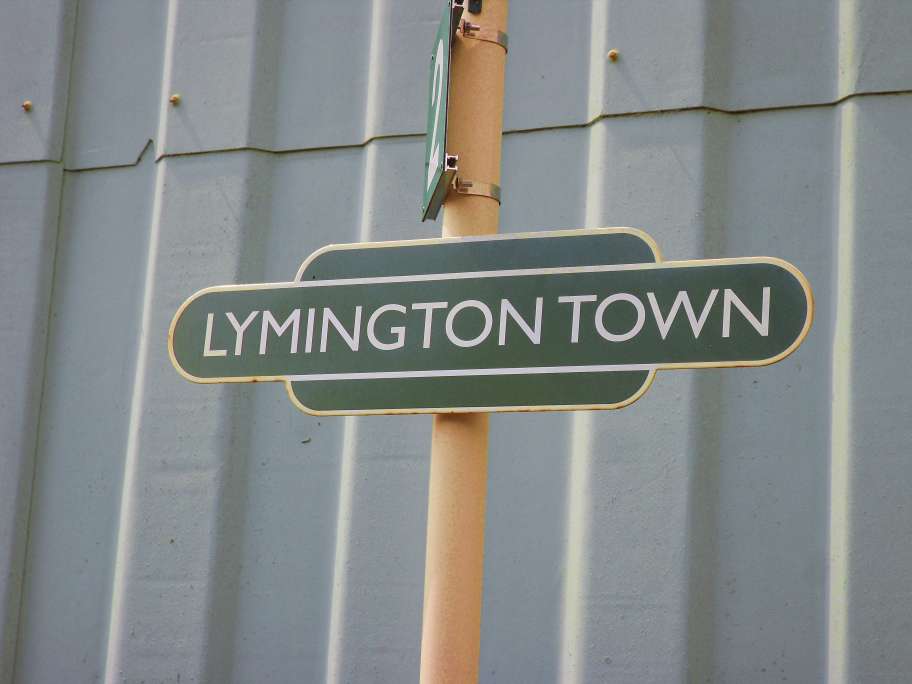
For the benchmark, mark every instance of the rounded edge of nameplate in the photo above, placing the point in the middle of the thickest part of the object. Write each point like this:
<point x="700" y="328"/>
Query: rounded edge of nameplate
<point x="525" y="235"/>
<point x="198" y="295"/>
<point x="171" y="329"/>
<point x="647" y="383"/>
<point x="793" y="270"/>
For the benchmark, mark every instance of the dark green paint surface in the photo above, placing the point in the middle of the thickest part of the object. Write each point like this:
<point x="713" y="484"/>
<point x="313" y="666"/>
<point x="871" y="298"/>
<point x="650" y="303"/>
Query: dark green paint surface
<point x="470" y="254"/>
<point x="570" y="389"/>
<point x="788" y="315"/>
<point x="555" y="349"/>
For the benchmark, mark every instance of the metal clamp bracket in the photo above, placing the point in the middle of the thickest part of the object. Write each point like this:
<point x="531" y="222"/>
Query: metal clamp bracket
<point x="468" y="187"/>
<point x="470" y="30"/>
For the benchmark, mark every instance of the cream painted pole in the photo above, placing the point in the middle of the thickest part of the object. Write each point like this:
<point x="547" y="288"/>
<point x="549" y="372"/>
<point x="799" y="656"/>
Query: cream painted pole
<point x="454" y="564"/>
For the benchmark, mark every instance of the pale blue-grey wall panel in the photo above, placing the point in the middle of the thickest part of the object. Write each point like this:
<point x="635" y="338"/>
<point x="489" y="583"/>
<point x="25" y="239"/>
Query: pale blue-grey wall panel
<point x="219" y="62"/>
<point x="95" y="309"/>
<point x="277" y="76"/>
<point x="652" y="510"/>
<point x="29" y="210"/>
<point x="281" y="534"/>
<point x="870" y="33"/>
<point x="184" y="452"/>
<point x="625" y="612"/>
<point x="768" y="54"/>
<point x="729" y="55"/>
<point x="298" y="75"/>
<point x="115" y="82"/>
<point x="324" y="76"/>
<point x="766" y="488"/>
<point x="873" y="442"/>
<point x="36" y="46"/>
<point x="554" y="166"/>
<point x="737" y="525"/>
<point x="525" y="547"/>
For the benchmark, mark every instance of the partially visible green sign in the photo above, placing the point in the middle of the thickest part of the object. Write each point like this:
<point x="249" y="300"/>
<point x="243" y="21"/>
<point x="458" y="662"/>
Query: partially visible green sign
<point x="438" y="166"/>
<point x="565" y="320"/>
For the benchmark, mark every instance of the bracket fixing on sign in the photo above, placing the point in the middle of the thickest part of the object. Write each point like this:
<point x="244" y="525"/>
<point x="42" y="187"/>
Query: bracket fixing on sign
<point x="475" y="6"/>
<point x="456" y="9"/>
<point x="470" y="30"/>
<point x="450" y="167"/>
<point x="469" y="187"/>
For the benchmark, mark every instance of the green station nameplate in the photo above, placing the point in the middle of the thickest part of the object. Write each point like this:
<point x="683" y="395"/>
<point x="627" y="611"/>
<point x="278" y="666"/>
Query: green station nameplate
<point x="542" y="321"/>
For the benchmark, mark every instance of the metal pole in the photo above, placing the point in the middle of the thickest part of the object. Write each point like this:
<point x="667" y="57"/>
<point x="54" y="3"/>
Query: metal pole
<point x="454" y="564"/>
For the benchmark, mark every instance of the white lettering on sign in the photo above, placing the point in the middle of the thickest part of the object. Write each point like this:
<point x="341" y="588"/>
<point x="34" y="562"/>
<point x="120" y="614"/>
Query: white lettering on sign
<point x="576" y="301"/>
<point x="207" y="344"/>
<point x="269" y="321"/>
<point x="533" y="333"/>
<point x="485" y="331"/>
<point x="239" y="329"/>
<point x="351" y="340"/>
<point x="600" y="316"/>
<point x="761" y="326"/>
<point x="398" y="330"/>
<point x="308" y="343"/>
<point x="393" y="322"/>
<point x="428" y="308"/>
<point x="696" y="324"/>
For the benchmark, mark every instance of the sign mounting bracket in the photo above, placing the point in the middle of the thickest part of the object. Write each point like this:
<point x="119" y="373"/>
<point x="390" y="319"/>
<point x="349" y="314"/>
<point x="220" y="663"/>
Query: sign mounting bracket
<point x="456" y="10"/>
<point x="470" y="30"/>
<point x="470" y="187"/>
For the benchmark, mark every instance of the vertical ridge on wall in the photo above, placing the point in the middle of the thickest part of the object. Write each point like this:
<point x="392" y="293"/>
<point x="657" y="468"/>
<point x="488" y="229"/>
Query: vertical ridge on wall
<point x="63" y="72"/>
<point x="78" y="467"/>
<point x="634" y="605"/>
<point x="373" y="102"/>
<point x="577" y="497"/>
<point x="598" y="51"/>
<point x="717" y="53"/>
<point x="114" y="666"/>
<point x="703" y="504"/>
<point x="335" y="665"/>
<point x="26" y="275"/>
<point x="846" y="187"/>
<point x="37" y="55"/>
<point x="266" y="55"/>
<point x="382" y="508"/>
<point x="167" y="563"/>
<point x="846" y="47"/>
<point x="230" y="494"/>
<point x="336" y="639"/>
<point x="161" y="137"/>
<point x="879" y="431"/>
<point x="572" y="667"/>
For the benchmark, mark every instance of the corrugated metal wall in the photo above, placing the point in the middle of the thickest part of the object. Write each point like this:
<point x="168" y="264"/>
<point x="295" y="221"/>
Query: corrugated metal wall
<point x="732" y="526"/>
